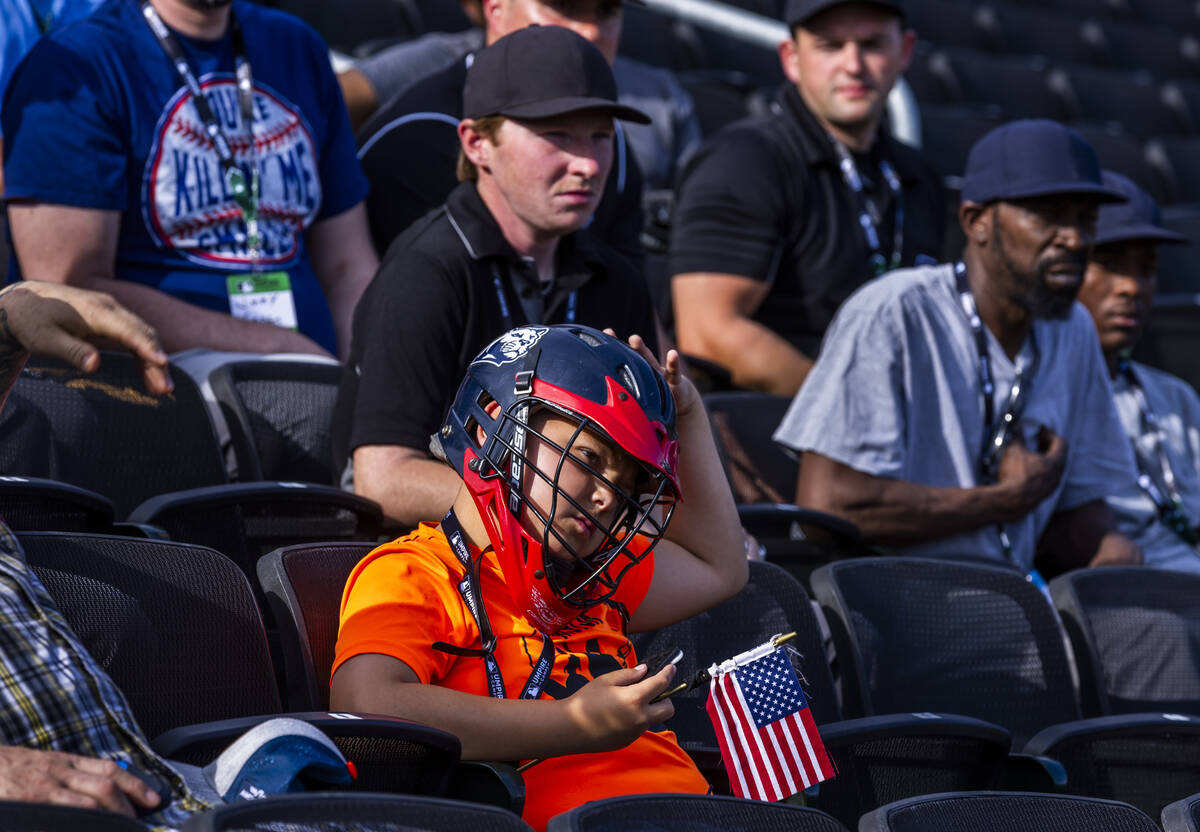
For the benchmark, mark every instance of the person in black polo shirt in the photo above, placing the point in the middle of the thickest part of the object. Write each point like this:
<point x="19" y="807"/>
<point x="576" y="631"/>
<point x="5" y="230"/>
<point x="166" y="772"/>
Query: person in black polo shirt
<point x="408" y="149"/>
<point x="503" y="251"/>
<point x="780" y="217"/>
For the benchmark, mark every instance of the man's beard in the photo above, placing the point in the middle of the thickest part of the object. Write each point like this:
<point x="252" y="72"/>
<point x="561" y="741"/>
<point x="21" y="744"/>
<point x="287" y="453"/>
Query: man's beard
<point x="1040" y="298"/>
<point x="1049" y="302"/>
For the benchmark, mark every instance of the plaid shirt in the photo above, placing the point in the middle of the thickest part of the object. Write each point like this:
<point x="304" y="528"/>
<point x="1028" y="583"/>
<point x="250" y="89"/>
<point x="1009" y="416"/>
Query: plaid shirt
<point x="55" y="696"/>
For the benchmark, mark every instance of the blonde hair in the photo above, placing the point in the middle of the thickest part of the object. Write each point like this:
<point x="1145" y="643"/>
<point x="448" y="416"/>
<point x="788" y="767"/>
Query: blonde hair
<point x="489" y="128"/>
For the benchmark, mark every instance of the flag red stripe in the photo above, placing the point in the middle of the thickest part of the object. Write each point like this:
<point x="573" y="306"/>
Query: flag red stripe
<point x="797" y="762"/>
<point x="761" y="788"/>
<point x="810" y="727"/>
<point x="718" y="713"/>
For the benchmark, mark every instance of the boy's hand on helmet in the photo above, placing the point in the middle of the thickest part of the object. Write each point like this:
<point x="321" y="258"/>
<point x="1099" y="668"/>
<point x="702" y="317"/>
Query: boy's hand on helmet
<point x="687" y="397"/>
<point x="613" y="710"/>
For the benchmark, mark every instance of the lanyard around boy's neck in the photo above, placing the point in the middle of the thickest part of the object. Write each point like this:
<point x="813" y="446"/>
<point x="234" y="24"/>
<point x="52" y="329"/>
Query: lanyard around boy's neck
<point x="870" y="218"/>
<point x="996" y="433"/>
<point x="468" y="588"/>
<point x="245" y="194"/>
<point x="1164" y="493"/>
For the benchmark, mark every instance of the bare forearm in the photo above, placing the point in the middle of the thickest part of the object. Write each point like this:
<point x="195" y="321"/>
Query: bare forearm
<point x="489" y="729"/>
<point x="756" y="357"/>
<point x="409" y="486"/>
<point x="898" y="512"/>
<point x="706" y="521"/>
<point x="183" y="326"/>
<point x="1085" y="536"/>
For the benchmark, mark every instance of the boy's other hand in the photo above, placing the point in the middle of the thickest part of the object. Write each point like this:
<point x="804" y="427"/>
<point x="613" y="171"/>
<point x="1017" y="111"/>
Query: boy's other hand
<point x="615" y="709"/>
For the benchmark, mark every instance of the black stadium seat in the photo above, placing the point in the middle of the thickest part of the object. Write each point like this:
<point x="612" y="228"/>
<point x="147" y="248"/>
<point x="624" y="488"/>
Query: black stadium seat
<point x="1058" y="37"/>
<point x="947" y="636"/>
<point x="158" y="460"/>
<point x="1133" y="100"/>
<point x="1182" y="815"/>
<point x="326" y="812"/>
<point x="1165" y="52"/>
<point x="685" y="813"/>
<point x="879" y="759"/>
<point x="1016" y="84"/>
<point x="946" y="22"/>
<point x="279" y="415"/>
<point x="1134" y="632"/>
<point x="1004" y="812"/>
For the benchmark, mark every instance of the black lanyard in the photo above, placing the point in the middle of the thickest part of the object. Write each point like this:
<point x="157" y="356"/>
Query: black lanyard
<point x="509" y="323"/>
<point x="996" y="433"/>
<point x="1164" y="493"/>
<point x="468" y="588"/>
<point x="870" y="219"/>
<point x="244" y="194"/>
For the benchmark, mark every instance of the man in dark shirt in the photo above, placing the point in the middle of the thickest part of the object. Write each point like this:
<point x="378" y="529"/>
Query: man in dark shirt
<point x="503" y="251"/>
<point x="780" y="217"/>
<point x="408" y="148"/>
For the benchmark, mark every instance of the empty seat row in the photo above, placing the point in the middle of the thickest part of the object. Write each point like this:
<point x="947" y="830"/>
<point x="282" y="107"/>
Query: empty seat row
<point x="1057" y="35"/>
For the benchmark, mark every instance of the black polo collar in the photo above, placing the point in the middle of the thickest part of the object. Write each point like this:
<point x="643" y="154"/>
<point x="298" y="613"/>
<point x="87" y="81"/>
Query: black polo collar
<point x="815" y="141"/>
<point x="476" y="228"/>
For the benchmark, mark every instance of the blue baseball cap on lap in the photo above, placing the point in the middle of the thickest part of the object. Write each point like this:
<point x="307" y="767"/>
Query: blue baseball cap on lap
<point x="1034" y="157"/>
<point x="1137" y="219"/>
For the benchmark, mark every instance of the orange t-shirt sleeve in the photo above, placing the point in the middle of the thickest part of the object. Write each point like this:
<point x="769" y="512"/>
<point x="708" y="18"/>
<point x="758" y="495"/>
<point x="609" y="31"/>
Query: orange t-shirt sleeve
<point x="398" y="603"/>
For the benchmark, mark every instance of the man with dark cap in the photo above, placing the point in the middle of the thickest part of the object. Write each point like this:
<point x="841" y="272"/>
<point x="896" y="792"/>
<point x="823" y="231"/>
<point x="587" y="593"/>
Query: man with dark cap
<point x="408" y="150"/>
<point x="193" y="159"/>
<point x="963" y="409"/>
<point x="1160" y="413"/>
<point x="536" y="148"/>
<point x="780" y="217"/>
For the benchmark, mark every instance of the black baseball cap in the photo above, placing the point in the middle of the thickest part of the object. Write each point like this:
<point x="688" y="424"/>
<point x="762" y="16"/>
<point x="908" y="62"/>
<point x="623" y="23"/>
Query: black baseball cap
<point x="1137" y="219"/>
<point x="1034" y="157"/>
<point x="799" y="12"/>
<point x="539" y="72"/>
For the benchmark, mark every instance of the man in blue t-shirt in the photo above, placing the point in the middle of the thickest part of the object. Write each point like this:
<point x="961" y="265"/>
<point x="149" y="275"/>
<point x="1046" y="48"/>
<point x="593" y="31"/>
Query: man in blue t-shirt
<point x="22" y="22"/>
<point x="221" y="235"/>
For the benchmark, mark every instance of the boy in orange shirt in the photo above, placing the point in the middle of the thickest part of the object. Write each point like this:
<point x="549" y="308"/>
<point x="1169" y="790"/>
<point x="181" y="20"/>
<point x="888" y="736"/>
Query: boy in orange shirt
<point x="507" y="623"/>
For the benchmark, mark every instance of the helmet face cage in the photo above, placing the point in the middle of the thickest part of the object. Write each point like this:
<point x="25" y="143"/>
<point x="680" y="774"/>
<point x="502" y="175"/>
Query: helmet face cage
<point x="644" y="512"/>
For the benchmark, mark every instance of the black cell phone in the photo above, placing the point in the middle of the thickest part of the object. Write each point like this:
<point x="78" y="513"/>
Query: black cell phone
<point x="660" y="660"/>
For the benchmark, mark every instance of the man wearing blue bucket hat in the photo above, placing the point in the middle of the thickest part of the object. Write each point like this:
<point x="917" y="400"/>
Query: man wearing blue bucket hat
<point x="963" y="409"/>
<point x="1160" y="413"/>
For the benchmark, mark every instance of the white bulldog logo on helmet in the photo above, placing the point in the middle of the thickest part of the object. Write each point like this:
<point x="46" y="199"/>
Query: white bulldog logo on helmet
<point x="512" y="345"/>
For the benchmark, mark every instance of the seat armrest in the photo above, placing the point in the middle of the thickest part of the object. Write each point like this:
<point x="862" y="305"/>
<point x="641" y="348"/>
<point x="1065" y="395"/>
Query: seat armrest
<point x="496" y="784"/>
<point x="1033" y="773"/>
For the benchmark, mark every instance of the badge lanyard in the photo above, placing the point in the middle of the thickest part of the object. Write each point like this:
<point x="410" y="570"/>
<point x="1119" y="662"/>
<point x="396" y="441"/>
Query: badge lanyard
<point x="569" y="318"/>
<point x="996" y="434"/>
<point x="1165" y="494"/>
<point x="869" y="216"/>
<point x="244" y="194"/>
<point x="468" y="588"/>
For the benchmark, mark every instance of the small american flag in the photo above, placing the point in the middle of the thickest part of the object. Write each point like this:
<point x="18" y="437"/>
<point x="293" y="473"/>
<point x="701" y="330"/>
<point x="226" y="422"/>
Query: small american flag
<point x="768" y="739"/>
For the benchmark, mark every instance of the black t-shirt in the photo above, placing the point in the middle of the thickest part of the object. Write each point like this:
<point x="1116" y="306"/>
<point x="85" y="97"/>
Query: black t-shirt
<point x="766" y="198"/>
<point x="409" y="152"/>
<point x="448" y="286"/>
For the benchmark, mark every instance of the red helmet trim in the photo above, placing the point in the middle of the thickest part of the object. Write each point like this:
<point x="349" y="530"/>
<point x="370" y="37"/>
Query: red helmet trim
<point x="623" y="419"/>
